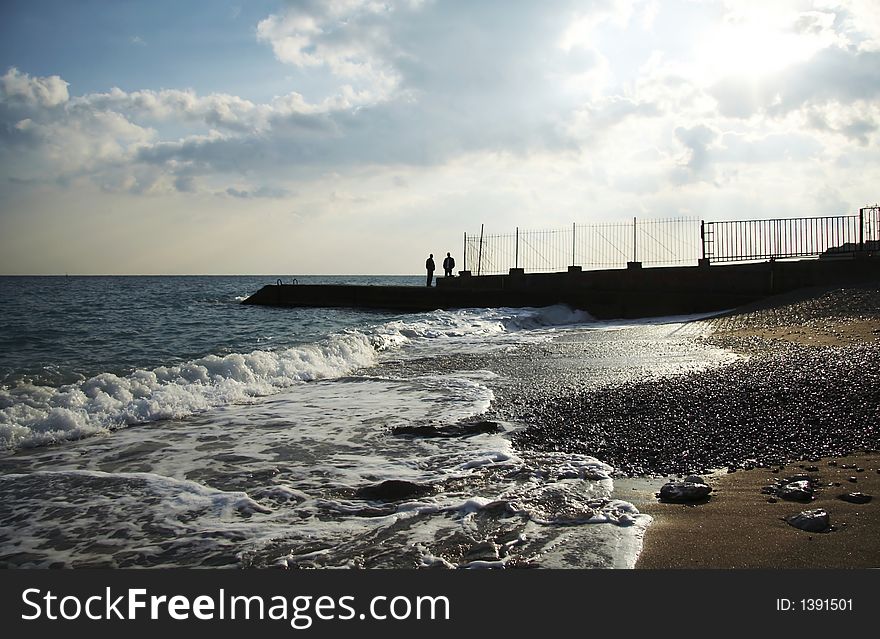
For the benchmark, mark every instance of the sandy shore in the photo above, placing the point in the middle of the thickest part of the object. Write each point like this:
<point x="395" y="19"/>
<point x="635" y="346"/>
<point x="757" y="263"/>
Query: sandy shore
<point x="741" y="525"/>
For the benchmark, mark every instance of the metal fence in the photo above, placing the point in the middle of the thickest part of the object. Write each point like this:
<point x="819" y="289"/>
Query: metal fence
<point x="671" y="242"/>
<point x="750" y="240"/>
<point x="591" y="246"/>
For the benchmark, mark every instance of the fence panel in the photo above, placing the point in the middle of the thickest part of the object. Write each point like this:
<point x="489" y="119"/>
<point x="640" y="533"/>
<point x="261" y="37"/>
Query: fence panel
<point x="672" y="242"/>
<point x="590" y="246"/>
<point x="752" y="240"/>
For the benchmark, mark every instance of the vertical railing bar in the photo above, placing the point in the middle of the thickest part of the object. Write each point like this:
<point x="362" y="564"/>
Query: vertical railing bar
<point x="516" y="259"/>
<point x="480" y="254"/>
<point x="861" y="229"/>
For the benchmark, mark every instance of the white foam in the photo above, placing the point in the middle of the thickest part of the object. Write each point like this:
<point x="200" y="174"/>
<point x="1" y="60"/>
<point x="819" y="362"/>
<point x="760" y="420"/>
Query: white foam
<point x="478" y="328"/>
<point x="112" y="517"/>
<point x="35" y="415"/>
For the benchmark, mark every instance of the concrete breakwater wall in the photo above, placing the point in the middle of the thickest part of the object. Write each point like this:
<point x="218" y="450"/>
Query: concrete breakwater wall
<point x="620" y="293"/>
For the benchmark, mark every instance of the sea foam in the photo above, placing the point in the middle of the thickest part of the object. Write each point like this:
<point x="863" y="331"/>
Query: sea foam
<point x="33" y="415"/>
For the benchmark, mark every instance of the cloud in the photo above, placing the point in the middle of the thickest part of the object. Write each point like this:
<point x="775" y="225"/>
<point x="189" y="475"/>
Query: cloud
<point x="350" y="38"/>
<point x="216" y="110"/>
<point x="832" y="75"/>
<point x="600" y="116"/>
<point x="697" y="140"/>
<point x="259" y="192"/>
<point x="19" y="89"/>
<point x="417" y="84"/>
<point x="776" y="147"/>
<point x="414" y="88"/>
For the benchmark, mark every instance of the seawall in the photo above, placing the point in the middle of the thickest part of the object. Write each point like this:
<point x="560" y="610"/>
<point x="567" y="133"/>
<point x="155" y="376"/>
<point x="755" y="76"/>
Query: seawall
<point x="620" y="293"/>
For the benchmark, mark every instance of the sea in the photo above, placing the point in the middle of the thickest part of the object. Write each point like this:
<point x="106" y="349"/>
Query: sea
<point x="159" y="422"/>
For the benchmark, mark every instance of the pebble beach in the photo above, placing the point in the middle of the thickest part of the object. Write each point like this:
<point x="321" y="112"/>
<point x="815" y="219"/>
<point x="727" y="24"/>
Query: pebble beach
<point x="821" y="347"/>
<point x="803" y="399"/>
<point x="790" y="396"/>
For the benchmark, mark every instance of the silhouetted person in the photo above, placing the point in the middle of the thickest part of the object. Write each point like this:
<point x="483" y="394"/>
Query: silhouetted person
<point x="429" y="265"/>
<point x="448" y="265"/>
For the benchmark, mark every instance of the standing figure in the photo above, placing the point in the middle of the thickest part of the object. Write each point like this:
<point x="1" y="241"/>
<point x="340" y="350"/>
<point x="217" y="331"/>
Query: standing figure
<point x="448" y="265"/>
<point x="429" y="265"/>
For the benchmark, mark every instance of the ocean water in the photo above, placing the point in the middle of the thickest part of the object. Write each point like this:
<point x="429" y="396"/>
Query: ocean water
<point x="158" y="422"/>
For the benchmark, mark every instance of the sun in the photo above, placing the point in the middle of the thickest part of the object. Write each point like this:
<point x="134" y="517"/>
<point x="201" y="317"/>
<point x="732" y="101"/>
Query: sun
<point x="753" y="48"/>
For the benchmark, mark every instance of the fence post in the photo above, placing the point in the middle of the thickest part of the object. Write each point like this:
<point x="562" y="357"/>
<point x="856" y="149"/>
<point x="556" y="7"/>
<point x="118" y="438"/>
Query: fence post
<point x="573" y="230"/>
<point x="703" y="237"/>
<point x="861" y="229"/>
<point x="516" y="258"/>
<point x="775" y="250"/>
<point x="635" y="258"/>
<point x="480" y="254"/>
<point x="464" y="253"/>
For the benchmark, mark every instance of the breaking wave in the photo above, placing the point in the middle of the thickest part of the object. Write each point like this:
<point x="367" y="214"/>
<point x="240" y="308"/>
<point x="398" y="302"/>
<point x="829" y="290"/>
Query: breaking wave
<point x="33" y="415"/>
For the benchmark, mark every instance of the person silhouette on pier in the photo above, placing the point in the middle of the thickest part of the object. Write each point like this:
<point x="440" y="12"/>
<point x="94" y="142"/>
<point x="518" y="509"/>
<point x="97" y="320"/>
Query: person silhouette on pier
<point x="448" y="265"/>
<point x="429" y="265"/>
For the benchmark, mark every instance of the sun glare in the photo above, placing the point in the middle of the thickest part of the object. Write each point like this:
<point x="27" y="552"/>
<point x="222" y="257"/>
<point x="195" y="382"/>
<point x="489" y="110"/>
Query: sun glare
<point x="752" y="49"/>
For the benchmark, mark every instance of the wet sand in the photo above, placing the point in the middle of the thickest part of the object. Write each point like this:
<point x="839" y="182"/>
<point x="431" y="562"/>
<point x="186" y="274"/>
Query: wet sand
<point x="741" y="526"/>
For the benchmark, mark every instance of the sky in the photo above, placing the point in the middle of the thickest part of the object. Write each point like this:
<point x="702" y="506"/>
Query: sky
<point x="357" y="136"/>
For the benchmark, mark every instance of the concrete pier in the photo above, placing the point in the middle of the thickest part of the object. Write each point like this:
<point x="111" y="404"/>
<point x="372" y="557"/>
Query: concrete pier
<point x="606" y="294"/>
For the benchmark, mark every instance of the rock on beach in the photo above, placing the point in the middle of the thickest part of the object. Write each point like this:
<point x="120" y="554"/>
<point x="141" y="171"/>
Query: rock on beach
<point x="393" y="490"/>
<point x="692" y="489"/>
<point x="816" y="520"/>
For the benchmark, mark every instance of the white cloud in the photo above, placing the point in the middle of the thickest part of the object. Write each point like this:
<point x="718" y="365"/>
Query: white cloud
<point x="20" y="89"/>
<point x="350" y="38"/>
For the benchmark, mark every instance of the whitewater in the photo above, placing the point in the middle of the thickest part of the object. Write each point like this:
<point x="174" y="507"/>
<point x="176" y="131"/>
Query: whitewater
<point x="158" y="422"/>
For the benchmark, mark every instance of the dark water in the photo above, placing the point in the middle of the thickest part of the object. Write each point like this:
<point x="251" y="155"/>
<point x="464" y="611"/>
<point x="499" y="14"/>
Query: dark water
<point x="56" y="330"/>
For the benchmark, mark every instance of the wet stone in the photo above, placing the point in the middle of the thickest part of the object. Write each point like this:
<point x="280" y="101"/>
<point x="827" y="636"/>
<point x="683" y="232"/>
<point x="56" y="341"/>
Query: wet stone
<point x="796" y="491"/>
<point x="684" y="491"/>
<point x="856" y="498"/>
<point x="811" y="520"/>
<point x="393" y="490"/>
<point x="484" y="551"/>
<point x="463" y="429"/>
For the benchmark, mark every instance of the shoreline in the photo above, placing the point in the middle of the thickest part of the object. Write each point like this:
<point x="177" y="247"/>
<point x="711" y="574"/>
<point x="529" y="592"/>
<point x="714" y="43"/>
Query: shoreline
<point x="804" y="385"/>
<point x="741" y="527"/>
